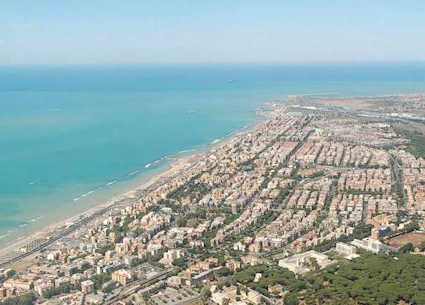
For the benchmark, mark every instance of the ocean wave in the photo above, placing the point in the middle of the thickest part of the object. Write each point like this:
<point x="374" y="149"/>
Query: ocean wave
<point x="160" y="160"/>
<point x="35" y="219"/>
<point x="83" y="195"/>
<point x="3" y="236"/>
<point x="111" y="182"/>
<point x="133" y="173"/>
<point x="148" y="165"/>
<point x="87" y="194"/>
<point x="215" y="141"/>
<point x="185" y="151"/>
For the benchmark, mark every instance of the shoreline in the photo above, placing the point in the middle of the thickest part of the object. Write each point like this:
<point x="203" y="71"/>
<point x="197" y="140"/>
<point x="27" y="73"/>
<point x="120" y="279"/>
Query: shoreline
<point x="49" y="229"/>
<point x="177" y="162"/>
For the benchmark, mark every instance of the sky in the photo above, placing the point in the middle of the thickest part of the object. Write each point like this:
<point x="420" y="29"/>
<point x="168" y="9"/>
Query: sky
<point x="204" y="31"/>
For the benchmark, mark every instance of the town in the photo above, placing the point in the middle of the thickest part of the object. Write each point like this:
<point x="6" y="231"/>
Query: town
<point x="310" y="188"/>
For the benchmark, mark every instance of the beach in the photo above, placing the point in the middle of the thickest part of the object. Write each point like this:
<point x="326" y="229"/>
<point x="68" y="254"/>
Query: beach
<point x="174" y="169"/>
<point x="87" y="146"/>
<point x="180" y="162"/>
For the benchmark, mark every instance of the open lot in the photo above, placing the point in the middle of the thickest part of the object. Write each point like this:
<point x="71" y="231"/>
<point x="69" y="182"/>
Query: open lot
<point x="413" y="237"/>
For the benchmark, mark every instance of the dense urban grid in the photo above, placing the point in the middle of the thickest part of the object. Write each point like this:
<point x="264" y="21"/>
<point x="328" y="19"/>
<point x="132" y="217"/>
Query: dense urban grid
<point x="323" y="202"/>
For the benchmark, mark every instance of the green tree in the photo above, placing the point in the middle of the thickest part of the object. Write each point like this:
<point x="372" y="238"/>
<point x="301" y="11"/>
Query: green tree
<point x="407" y="248"/>
<point x="291" y="299"/>
<point x="205" y="294"/>
<point x="26" y="299"/>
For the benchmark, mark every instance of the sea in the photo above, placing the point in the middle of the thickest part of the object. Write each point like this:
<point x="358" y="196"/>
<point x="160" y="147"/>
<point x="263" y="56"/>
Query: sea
<point x="74" y="136"/>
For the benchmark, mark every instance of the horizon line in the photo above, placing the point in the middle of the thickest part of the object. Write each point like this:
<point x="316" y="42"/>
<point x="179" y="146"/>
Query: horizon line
<point x="221" y="63"/>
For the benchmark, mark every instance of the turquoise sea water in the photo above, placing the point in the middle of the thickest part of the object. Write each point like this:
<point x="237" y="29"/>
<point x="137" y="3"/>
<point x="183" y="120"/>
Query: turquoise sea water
<point x="71" y="136"/>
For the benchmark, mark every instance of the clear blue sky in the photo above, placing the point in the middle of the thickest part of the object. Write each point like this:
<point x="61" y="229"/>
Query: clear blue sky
<point x="173" y="31"/>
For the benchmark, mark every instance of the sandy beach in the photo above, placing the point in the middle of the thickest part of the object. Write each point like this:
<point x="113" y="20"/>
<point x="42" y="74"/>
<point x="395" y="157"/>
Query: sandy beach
<point x="174" y="168"/>
<point x="178" y="163"/>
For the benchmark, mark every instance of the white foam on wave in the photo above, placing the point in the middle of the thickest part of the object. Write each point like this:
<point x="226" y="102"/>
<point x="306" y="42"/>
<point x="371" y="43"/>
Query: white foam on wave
<point x="35" y="219"/>
<point x="111" y="182"/>
<point x="87" y="194"/>
<point x="215" y="141"/>
<point x="3" y="236"/>
<point x="159" y="160"/>
<point x="133" y="173"/>
<point x="185" y="151"/>
<point x="22" y="225"/>
<point x="148" y="165"/>
<point x="83" y="196"/>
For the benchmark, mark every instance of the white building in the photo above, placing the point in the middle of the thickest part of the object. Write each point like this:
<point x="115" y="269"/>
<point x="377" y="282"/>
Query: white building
<point x="301" y="263"/>
<point x="219" y="298"/>
<point x="87" y="286"/>
<point x="348" y="251"/>
<point x="171" y="255"/>
<point x="372" y="245"/>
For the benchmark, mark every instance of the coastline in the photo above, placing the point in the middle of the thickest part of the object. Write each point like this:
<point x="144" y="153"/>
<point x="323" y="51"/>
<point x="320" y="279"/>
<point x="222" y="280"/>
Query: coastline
<point x="49" y="229"/>
<point x="178" y="162"/>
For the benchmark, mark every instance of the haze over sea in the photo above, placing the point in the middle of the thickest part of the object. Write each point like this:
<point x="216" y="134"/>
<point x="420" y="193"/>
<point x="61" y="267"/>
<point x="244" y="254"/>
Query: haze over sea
<point x="72" y="136"/>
